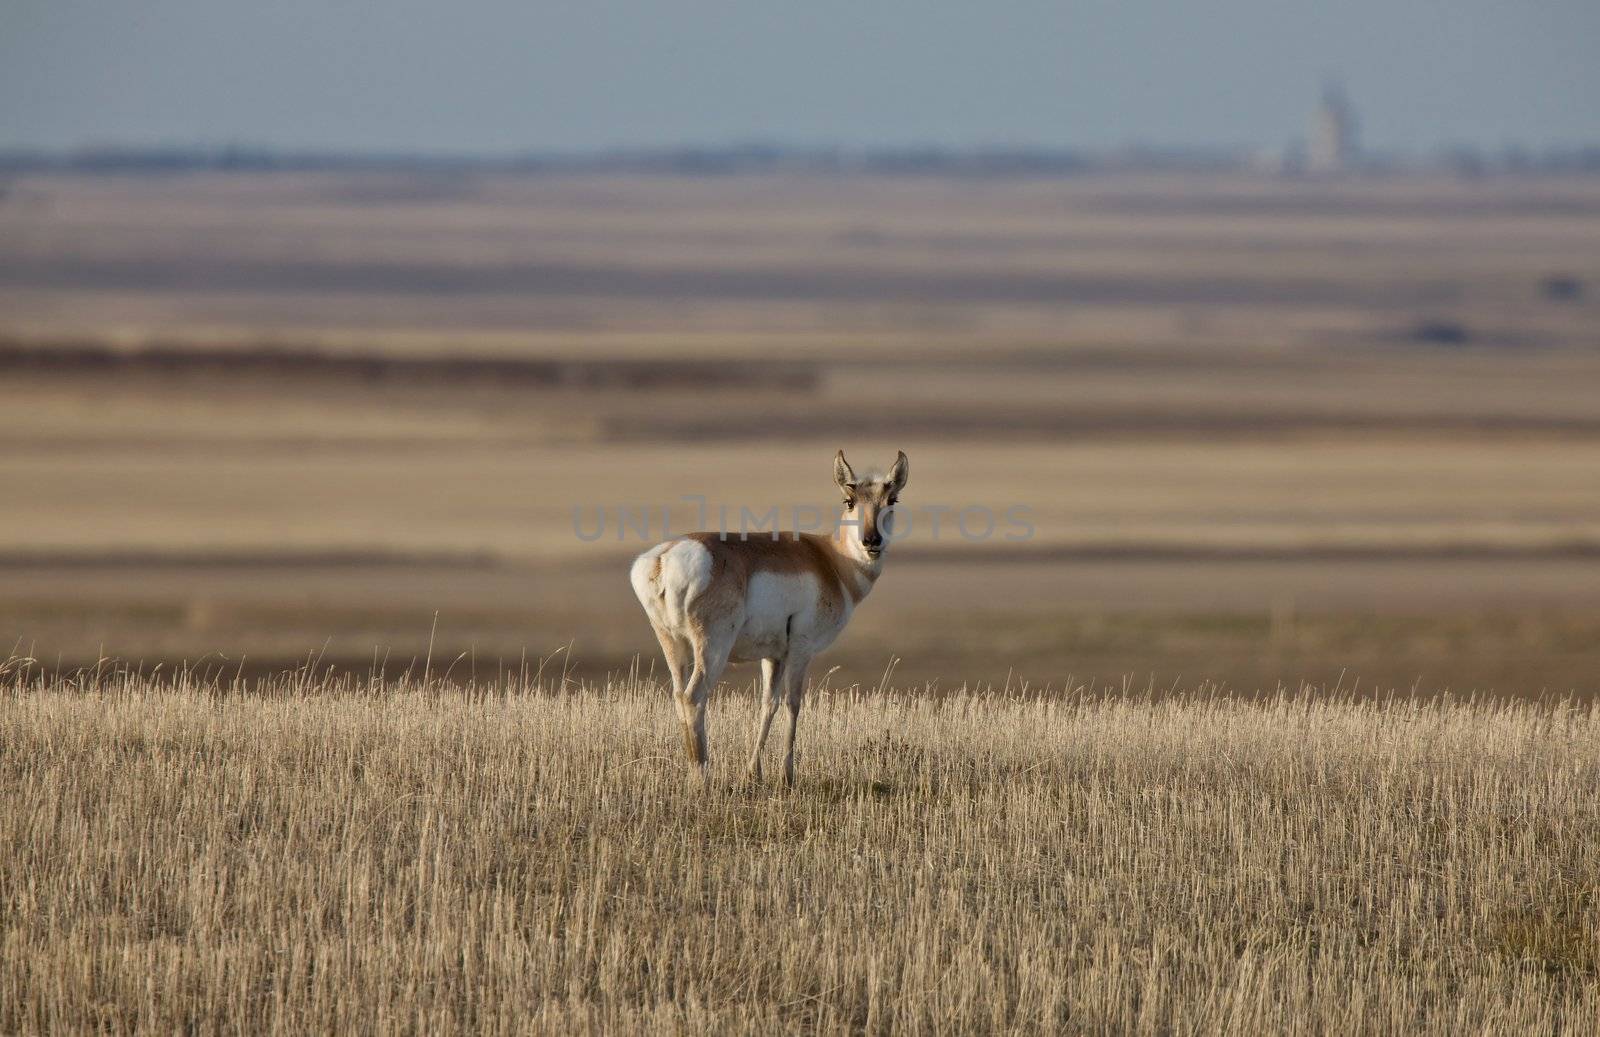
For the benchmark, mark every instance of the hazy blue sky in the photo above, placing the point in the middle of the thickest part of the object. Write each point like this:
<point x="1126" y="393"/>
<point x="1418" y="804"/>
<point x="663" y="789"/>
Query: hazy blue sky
<point x="513" y="75"/>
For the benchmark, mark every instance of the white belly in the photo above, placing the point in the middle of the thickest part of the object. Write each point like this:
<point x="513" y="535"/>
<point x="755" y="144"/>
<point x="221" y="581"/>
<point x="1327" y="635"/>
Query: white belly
<point x="780" y="609"/>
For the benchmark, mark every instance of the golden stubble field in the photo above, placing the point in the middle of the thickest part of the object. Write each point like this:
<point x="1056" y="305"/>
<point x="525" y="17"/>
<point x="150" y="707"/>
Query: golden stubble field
<point x="308" y="855"/>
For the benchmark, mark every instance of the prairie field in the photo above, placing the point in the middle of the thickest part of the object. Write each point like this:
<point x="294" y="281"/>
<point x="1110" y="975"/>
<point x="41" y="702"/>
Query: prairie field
<point x="1267" y="429"/>
<point x="323" y="715"/>
<point x="303" y="854"/>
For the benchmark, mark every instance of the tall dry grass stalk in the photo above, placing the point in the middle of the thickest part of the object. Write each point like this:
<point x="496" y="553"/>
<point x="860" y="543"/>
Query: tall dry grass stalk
<point x="176" y="855"/>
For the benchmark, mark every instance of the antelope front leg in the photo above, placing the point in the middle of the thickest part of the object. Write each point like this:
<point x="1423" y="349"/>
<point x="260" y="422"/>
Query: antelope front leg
<point x="772" y="684"/>
<point x="796" y="680"/>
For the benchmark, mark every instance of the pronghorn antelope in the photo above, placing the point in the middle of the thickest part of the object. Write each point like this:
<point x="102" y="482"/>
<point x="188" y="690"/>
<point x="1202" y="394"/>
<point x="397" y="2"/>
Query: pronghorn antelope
<point x="713" y="598"/>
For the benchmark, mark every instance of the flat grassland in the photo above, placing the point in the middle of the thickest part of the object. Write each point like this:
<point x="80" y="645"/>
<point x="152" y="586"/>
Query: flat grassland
<point x="1267" y="429"/>
<point x="180" y="855"/>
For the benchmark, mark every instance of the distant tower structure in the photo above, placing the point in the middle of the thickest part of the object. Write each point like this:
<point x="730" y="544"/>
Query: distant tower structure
<point x="1333" y="133"/>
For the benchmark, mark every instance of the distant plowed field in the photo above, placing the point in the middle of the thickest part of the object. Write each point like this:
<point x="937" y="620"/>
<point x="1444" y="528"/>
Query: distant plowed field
<point x="1265" y="428"/>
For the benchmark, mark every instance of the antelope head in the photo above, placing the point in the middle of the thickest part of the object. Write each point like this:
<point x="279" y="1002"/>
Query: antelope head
<point x="866" y="501"/>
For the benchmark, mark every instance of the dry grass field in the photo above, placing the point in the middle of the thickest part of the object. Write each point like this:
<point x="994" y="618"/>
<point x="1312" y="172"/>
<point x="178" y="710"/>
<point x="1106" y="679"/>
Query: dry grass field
<point x="321" y="717"/>
<point x="308" y="854"/>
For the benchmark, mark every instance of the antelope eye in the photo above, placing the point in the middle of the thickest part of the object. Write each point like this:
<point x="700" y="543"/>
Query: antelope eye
<point x="849" y="502"/>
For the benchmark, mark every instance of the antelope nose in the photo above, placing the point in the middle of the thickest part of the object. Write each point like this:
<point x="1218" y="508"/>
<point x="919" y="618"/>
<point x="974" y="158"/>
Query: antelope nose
<point x="873" y="540"/>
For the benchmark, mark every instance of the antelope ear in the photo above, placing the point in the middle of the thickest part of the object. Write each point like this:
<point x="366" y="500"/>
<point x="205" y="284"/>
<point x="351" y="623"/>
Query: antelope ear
<point x="899" y="473"/>
<point x="842" y="473"/>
